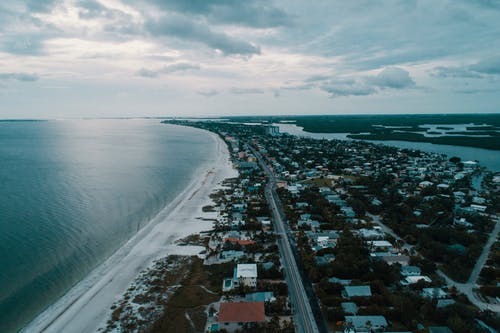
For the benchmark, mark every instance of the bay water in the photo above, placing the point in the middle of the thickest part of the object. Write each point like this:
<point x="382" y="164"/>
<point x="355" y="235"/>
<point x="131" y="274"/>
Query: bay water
<point x="486" y="157"/>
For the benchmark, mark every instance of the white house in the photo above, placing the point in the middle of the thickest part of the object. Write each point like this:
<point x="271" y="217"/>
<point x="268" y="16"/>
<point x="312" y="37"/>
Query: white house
<point x="414" y="279"/>
<point x="434" y="293"/>
<point x="246" y="275"/>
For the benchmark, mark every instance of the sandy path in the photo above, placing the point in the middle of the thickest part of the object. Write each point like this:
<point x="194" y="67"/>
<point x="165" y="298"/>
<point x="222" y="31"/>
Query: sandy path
<point x="85" y="308"/>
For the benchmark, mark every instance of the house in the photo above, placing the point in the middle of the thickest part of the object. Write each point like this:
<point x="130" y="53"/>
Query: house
<point x="414" y="279"/>
<point x="478" y="208"/>
<point x="239" y="207"/>
<point x="356" y="291"/>
<point x="442" y="303"/>
<point x="242" y="242"/>
<point x="245" y="275"/>
<point x="349" y="307"/>
<point x="437" y="293"/>
<point x="314" y="225"/>
<point x="373" y="233"/>
<point x="262" y="296"/>
<point x="364" y="324"/>
<point x="231" y="255"/>
<point x="410" y="270"/>
<point x="324" y="259"/>
<point x="396" y="259"/>
<point x="425" y="184"/>
<point x="233" y="315"/>
<point x="343" y="282"/>
<point x="379" y="244"/>
<point x="439" y="329"/>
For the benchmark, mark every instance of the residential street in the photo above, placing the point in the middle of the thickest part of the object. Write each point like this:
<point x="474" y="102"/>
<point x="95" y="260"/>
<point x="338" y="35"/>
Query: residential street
<point x="303" y="315"/>
<point x="465" y="288"/>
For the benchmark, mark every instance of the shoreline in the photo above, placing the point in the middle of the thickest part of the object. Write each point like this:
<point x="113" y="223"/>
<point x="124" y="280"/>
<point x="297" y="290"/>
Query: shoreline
<point x="86" y="306"/>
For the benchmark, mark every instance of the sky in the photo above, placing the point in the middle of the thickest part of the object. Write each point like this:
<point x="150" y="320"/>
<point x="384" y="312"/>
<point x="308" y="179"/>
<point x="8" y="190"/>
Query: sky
<point x="126" y="58"/>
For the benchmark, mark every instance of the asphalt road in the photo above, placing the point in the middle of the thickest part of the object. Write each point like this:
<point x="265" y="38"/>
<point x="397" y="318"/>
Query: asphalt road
<point x="465" y="288"/>
<point x="303" y="315"/>
<point x="468" y="287"/>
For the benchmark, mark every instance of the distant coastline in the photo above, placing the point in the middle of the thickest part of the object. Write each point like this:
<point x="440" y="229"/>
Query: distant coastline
<point x="467" y="130"/>
<point x="21" y="120"/>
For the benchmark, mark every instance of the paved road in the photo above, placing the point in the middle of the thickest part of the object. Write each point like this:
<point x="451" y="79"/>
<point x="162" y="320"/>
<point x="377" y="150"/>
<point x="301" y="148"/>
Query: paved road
<point x="468" y="287"/>
<point x="465" y="288"/>
<point x="303" y="315"/>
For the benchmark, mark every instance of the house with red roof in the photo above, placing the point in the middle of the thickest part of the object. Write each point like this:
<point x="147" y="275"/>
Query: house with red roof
<point x="233" y="315"/>
<point x="242" y="242"/>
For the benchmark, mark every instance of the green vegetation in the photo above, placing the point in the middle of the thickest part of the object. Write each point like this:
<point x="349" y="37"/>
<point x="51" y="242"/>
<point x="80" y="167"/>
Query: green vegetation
<point x="190" y="299"/>
<point x="478" y="142"/>
<point x="401" y="127"/>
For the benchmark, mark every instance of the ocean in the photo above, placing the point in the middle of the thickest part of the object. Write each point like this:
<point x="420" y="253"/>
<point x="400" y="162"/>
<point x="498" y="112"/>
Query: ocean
<point x="73" y="191"/>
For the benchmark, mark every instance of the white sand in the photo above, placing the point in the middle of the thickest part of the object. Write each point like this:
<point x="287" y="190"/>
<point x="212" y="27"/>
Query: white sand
<point x="86" y="307"/>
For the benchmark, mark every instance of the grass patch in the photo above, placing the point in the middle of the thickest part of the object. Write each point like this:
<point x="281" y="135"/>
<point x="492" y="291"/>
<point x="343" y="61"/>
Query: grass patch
<point x="190" y="300"/>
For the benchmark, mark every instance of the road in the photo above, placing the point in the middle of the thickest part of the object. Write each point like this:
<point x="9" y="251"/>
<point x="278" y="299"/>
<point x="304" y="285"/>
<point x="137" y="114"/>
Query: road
<point x="465" y="288"/>
<point x="468" y="287"/>
<point x="303" y="315"/>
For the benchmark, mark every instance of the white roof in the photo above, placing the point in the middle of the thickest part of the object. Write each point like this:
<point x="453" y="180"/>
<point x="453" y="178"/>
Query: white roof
<point x="416" y="278"/>
<point x="246" y="270"/>
<point x="380" y="243"/>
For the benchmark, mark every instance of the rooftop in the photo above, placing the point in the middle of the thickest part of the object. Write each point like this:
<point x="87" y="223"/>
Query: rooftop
<point x="364" y="321"/>
<point x="246" y="271"/>
<point x="244" y="312"/>
<point x="353" y="291"/>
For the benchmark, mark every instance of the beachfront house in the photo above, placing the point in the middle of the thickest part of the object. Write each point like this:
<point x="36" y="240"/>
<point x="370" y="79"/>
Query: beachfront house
<point x="245" y="275"/>
<point x="234" y="316"/>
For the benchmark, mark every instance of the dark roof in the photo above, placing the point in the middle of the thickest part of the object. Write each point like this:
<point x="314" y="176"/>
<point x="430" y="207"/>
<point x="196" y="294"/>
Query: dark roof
<point x="241" y="312"/>
<point x="439" y="329"/>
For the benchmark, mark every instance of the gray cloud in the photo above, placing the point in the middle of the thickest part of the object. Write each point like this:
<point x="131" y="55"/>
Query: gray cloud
<point x="179" y="67"/>
<point x="305" y="86"/>
<point x="388" y="78"/>
<point x="487" y="66"/>
<point x="207" y="93"/>
<point x="194" y="31"/>
<point x="394" y="78"/>
<point x="347" y="87"/>
<point x="489" y="4"/>
<point x="397" y="33"/>
<point x="24" y="77"/>
<point x="454" y="72"/>
<point x="316" y="78"/>
<point x="28" y="44"/>
<point x="477" y="91"/>
<point x="91" y="9"/>
<point x="41" y="6"/>
<point x="257" y="13"/>
<point x="243" y="91"/>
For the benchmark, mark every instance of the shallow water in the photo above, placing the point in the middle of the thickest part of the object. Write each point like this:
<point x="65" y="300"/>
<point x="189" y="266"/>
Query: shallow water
<point x="72" y="192"/>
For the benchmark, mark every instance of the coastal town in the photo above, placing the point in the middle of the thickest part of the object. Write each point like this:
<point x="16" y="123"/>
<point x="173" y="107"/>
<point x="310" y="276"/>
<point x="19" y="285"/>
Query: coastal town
<point x="339" y="236"/>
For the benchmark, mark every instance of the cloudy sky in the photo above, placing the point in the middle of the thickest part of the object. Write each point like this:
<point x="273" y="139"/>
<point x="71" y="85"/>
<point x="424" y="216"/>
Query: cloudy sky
<point x="107" y="58"/>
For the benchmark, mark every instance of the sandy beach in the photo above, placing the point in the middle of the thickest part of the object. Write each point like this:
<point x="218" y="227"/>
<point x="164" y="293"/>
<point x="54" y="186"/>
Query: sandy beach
<point x="86" y="307"/>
